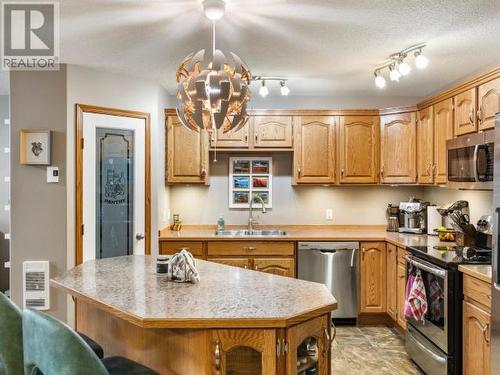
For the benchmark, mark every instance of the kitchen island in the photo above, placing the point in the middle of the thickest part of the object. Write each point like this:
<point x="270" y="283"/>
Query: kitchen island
<point x="234" y="320"/>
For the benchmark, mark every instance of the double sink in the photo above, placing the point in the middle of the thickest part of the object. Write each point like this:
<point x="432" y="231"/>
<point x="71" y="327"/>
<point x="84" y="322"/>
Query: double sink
<point x="251" y="233"/>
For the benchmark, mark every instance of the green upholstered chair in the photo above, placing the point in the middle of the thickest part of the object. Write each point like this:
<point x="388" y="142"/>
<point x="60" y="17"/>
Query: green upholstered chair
<point x="55" y="349"/>
<point x="11" y="338"/>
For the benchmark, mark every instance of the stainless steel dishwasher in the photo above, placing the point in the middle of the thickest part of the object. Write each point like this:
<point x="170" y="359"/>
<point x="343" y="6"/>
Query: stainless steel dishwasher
<point x="334" y="264"/>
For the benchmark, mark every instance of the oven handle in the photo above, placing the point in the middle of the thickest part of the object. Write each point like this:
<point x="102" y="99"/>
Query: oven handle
<point x="435" y="271"/>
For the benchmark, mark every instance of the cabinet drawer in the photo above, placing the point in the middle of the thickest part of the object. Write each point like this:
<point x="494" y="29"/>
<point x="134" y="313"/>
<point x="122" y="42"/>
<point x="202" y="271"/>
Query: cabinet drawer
<point x="235" y="262"/>
<point x="477" y="290"/>
<point x="172" y="247"/>
<point x="250" y="248"/>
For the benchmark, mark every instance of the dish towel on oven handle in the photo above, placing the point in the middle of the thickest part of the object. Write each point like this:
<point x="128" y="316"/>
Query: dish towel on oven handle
<point x="417" y="300"/>
<point x="182" y="267"/>
<point x="409" y="284"/>
<point x="435" y="297"/>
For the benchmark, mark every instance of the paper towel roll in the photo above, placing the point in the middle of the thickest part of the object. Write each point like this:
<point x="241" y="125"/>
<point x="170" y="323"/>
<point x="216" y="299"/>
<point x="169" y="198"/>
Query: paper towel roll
<point x="434" y="219"/>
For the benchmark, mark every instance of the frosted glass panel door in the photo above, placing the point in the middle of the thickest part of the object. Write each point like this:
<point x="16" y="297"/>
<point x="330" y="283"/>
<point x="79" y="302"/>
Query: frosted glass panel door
<point x="113" y="186"/>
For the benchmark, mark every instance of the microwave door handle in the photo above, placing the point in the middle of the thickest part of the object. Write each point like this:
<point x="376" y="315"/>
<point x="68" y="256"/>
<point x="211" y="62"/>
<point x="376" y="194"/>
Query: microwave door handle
<point x="476" y="160"/>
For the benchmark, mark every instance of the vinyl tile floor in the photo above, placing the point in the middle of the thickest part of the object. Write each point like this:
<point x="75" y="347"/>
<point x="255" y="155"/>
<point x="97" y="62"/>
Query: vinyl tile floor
<point x="370" y="350"/>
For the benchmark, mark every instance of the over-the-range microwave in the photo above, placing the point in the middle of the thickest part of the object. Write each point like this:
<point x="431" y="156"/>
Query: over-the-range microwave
<point x="470" y="160"/>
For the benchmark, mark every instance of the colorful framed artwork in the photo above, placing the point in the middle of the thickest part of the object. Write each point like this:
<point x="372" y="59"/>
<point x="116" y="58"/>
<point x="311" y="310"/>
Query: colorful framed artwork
<point x="250" y="177"/>
<point x="34" y="146"/>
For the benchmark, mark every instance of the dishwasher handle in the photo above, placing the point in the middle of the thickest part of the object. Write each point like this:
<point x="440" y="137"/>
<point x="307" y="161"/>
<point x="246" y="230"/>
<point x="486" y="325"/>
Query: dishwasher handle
<point x="352" y="257"/>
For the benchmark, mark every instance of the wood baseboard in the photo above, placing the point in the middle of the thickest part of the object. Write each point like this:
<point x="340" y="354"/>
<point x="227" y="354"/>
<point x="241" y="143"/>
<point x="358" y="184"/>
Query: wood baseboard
<point x="374" y="319"/>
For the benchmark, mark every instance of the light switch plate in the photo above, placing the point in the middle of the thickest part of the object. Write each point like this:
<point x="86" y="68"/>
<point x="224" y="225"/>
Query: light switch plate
<point x="6" y="150"/>
<point x="52" y="175"/>
<point x="6" y="236"/>
<point x="6" y="121"/>
<point x="329" y="214"/>
<point x="6" y="179"/>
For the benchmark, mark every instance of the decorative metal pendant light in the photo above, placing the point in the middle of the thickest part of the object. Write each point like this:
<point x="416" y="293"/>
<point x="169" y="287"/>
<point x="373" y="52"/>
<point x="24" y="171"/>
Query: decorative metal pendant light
<point x="213" y="94"/>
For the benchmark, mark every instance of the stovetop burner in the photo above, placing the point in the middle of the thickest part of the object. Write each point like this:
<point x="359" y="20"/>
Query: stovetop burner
<point x="453" y="255"/>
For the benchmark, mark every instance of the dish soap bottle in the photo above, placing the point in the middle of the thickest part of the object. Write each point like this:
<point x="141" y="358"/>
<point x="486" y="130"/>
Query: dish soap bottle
<point x="220" y="224"/>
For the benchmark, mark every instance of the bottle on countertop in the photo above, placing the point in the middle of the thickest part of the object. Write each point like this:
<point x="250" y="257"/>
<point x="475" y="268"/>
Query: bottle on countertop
<point x="221" y="224"/>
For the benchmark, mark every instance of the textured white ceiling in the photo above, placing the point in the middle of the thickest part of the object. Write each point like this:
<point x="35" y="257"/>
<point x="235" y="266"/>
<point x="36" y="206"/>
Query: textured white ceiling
<point x="325" y="47"/>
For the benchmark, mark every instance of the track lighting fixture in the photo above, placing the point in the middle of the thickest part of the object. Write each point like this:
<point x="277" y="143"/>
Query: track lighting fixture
<point x="397" y="65"/>
<point x="264" y="91"/>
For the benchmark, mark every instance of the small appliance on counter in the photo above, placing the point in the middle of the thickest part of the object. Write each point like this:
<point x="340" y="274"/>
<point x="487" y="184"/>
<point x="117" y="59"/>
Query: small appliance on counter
<point x="392" y="215"/>
<point x="413" y="216"/>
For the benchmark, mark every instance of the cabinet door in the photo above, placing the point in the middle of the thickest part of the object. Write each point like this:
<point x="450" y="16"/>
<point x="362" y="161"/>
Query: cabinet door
<point x="425" y="146"/>
<point x="358" y="149"/>
<point x="314" y="156"/>
<point x="401" y="295"/>
<point x="398" y="148"/>
<point x="476" y="340"/>
<point x="313" y="334"/>
<point x="276" y="266"/>
<point x="443" y="130"/>
<point x="231" y="139"/>
<point x="235" y="262"/>
<point x="272" y="131"/>
<point x="373" y="277"/>
<point x="187" y="154"/>
<point x="244" y="351"/>
<point x="465" y="114"/>
<point x="392" y="277"/>
<point x="489" y="104"/>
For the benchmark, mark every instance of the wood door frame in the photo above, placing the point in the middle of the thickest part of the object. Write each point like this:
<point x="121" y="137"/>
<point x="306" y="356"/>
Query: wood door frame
<point x="80" y="109"/>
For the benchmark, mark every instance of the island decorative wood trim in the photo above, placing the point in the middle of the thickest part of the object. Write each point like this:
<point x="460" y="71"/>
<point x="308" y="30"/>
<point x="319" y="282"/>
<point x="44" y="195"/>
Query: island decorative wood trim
<point x="80" y="109"/>
<point x="467" y="85"/>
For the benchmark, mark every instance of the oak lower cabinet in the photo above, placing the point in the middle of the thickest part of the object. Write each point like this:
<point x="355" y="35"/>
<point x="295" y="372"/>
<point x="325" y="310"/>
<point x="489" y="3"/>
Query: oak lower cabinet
<point x="276" y="266"/>
<point x="392" y="263"/>
<point x="488" y="104"/>
<point x="290" y="351"/>
<point x="398" y="146"/>
<point x="373" y="277"/>
<point x="476" y="326"/>
<point x="187" y="153"/>
<point x="314" y="150"/>
<point x="401" y="294"/>
<point x="358" y="149"/>
<point x="272" y="131"/>
<point x="235" y="262"/>
<point x="465" y="113"/>
<point x="443" y="131"/>
<point x="425" y="146"/>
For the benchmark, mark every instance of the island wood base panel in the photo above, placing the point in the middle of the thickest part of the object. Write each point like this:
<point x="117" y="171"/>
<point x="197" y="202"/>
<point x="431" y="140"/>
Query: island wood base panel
<point x="192" y="351"/>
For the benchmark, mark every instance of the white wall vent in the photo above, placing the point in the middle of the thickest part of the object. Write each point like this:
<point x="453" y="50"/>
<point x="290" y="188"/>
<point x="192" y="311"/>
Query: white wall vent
<point x="36" y="285"/>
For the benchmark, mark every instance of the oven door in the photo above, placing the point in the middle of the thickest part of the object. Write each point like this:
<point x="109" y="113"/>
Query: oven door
<point x="434" y="326"/>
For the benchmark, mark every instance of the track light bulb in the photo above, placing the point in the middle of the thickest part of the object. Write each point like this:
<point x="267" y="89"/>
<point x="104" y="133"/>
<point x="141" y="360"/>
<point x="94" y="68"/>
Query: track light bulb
<point x="379" y="80"/>
<point x="284" y="89"/>
<point x="404" y="68"/>
<point x="214" y="9"/>
<point x="263" y="91"/>
<point x="394" y="74"/>
<point x="421" y="61"/>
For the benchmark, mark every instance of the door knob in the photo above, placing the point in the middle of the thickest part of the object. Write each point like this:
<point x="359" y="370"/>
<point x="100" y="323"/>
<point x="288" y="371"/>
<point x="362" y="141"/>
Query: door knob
<point x="140" y="236"/>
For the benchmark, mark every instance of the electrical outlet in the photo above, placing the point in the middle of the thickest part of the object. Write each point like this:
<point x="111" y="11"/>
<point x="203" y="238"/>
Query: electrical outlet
<point x="329" y="214"/>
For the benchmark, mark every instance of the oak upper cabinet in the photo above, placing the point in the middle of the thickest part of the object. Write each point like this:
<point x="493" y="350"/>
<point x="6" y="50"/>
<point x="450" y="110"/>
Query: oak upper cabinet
<point x="232" y="139"/>
<point x="187" y="154"/>
<point x="276" y="266"/>
<point x="373" y="277"/>
<point x="443" y="131"/>
<point x="392" y="263"/>
<point x="272" y="131"/>
<point x="314" y="150"/>
<point x="425" y="146"/>
<point x="476" y="340"/>
<point x="243" y="351"/>
<point x="465" y="112"/>
<point x="358" y="149"/>
<point x="489" y="104"/>
<point x="398" y="148"/>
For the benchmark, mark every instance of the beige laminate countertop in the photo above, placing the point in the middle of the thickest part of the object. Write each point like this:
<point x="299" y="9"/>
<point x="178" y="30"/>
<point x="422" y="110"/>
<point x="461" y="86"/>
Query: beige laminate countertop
<point x="311" y="233"/>
<point x="226" y="297"/>
<point x="479" y="271"/>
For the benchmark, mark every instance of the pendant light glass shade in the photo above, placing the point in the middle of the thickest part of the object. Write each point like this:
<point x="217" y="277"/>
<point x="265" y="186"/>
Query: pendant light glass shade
<point x="213" y="95"/>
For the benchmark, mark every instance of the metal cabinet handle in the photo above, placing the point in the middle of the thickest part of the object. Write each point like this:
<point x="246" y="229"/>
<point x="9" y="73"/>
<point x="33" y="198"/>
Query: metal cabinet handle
<point x="140" y="236"/>
<point x="479" y="114"/>
<point x="217" y="355"/>
<point x="249" y="248"/>
<point x="203" y="172"/>
<point x="434" y="169"/>
<point x="245" y="266"/>
<point x="382" y="172"/>
<point x="329" y="340"/>
<point x="486" y="328"/>
<point x="342" y="173"/>
<point x="256" y="268"/>
<point x="246" y="138"/>
<point x="471" y="118"/>
<point x="256" y="138"/>
<point x="298" y="171"/>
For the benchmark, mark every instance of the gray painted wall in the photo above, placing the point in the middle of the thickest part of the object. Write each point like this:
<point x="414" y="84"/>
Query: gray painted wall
<point x="4" y="191"/>
<point x="38" y="209"/>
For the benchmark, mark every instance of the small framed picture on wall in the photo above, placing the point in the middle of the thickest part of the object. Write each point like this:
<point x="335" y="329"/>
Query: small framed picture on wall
<point x="34" y="146"/>
<point x="250" y="178"/>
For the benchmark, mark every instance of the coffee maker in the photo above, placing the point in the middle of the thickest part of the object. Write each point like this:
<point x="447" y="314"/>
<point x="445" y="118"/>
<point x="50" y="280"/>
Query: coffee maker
<point x="413" y="216"/>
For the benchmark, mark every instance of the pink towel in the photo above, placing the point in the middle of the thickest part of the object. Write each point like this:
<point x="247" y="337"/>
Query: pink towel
<point x="409" y="284"/>
<point x="417" y="301"/>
